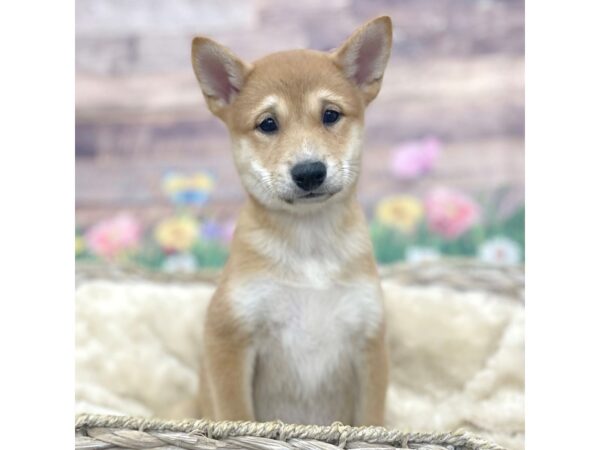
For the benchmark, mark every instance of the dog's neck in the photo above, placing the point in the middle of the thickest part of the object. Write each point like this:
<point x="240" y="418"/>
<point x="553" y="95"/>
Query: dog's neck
<point x="335" y="234"/>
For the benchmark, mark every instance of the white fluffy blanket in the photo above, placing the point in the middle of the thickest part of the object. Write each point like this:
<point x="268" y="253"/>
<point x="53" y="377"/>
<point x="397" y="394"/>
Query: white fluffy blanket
<point x="457" y="358"/>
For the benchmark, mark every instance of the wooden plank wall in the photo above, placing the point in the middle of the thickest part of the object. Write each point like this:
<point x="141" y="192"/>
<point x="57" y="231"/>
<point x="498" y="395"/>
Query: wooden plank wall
<point x="456" y="73"/>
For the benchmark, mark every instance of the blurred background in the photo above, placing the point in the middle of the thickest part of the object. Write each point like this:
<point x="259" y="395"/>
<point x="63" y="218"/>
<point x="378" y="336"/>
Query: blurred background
<point x="443" y="165"/>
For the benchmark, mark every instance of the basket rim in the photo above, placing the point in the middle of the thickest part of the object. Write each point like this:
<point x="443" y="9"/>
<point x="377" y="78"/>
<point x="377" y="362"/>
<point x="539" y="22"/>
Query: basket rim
<point x="336" y="433"/>
<point x="456" y="273"/>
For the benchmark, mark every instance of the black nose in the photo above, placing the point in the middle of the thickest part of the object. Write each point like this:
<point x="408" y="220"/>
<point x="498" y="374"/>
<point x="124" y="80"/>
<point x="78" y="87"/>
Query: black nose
<point x="309" y="175"/>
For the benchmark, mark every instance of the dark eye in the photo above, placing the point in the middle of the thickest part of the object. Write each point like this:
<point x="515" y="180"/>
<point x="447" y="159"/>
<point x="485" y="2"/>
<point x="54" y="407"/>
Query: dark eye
<point x="268" y="125"/>
<point x="330" y="116"/>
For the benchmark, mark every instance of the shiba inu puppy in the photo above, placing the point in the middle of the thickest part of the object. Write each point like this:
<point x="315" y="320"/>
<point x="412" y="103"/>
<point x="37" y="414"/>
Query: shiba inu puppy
<point x="295" y="330"/>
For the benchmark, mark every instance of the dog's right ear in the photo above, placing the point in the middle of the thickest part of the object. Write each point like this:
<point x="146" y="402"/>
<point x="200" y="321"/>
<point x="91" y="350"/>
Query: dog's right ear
<point x="220" y="73"/>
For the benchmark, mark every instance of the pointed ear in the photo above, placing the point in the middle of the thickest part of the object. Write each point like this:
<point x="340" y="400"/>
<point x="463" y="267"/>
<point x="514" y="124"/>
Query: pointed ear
<point x="220" y="73"/>
<point x="364" y="55"/>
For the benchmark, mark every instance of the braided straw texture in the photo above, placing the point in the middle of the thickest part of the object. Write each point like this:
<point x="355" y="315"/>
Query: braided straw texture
<point x="98" y="432"/>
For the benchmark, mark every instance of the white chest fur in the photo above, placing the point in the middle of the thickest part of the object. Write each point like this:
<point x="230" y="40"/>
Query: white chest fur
<point x="306" y="345"/>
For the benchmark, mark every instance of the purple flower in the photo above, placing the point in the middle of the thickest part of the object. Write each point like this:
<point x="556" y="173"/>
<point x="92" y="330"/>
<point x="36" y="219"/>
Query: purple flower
<point x="215" y="231"/>
<point x="211" y="230"/>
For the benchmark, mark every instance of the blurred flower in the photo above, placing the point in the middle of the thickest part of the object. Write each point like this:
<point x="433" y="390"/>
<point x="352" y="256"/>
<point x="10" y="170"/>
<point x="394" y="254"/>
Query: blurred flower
<point x="180" y="262"/>
<point x="414" y="159"/>
<point x="418" y="255"/>
<point x="79" y="245"/>
<point x="188" y="190"/>
<point x="450" y="213"/>
<point x="212" y="230"/>
<point x="215" y="231"/>
<point x="176" y="233"/>
<point x="229" y="230"/>
<point x="111" y="237"/>
<point x="402" y="211"/>
<point x="500" y="250"/>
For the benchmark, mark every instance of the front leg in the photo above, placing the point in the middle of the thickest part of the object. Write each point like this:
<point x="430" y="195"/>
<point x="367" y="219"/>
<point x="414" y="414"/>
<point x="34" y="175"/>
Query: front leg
<point x="373" y="374"/>
<point x="228" y="365"/>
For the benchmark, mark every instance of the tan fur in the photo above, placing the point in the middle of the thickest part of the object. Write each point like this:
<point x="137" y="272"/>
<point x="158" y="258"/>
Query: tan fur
<point x="271" y="351"/>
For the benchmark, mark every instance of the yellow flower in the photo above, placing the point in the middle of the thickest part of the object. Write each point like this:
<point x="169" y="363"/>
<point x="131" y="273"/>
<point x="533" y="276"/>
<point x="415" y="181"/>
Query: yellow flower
<point x="199" y="181"/>
<point x="79" y="245"/>
<point x="175" y="183"/>
<point x="183" y="189"/>
<point x="202" y="182"/>
<point x="177" y="233"/>
<point x="402" y="211"/>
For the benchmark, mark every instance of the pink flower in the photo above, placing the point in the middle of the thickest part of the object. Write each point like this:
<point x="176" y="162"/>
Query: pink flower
<point x="229" y="230"/>
<point x="110" y="237"/>
<point x="450" y="213"/>
<point x="415" y="158"/>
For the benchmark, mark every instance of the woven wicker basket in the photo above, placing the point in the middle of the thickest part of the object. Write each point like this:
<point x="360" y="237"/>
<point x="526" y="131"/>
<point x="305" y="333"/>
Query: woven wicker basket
<point x="103" y="432"/>
<point x="95" y="432"/>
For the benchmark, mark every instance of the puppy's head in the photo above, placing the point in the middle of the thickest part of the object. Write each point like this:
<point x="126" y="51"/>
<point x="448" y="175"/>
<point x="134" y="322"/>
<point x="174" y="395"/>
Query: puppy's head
<point x="296" y="118"/>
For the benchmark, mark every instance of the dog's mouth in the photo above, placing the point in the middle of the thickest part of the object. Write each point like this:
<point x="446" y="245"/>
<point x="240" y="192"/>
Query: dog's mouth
<point x="314" y="195"/>
<point x="311" y="197"/>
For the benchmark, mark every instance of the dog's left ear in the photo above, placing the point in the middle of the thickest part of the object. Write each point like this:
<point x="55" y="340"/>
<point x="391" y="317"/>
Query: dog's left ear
<point x="364" y="55"/>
